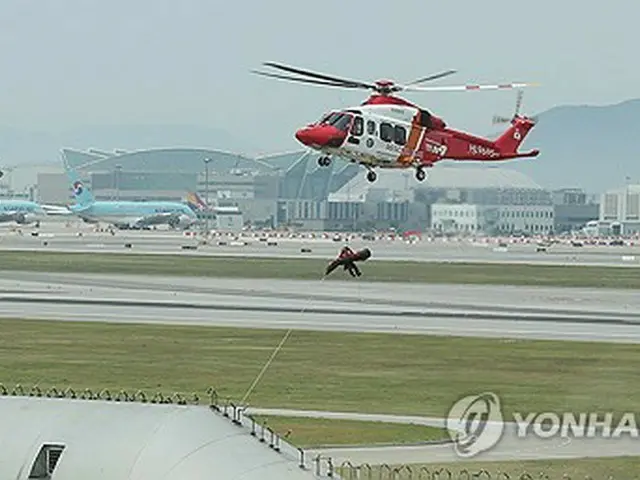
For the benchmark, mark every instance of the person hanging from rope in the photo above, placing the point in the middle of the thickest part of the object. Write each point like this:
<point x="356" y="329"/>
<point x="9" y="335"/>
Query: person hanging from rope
<point x="348" y="258"/>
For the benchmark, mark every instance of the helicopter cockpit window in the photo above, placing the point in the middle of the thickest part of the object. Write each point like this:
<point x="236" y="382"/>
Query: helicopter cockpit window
<point x="400" y="137"/>
<point x="386" y="132"/>
<point x="358" y="126"/>
<point x="329" y="118"/>
<point x="341" y="122"/>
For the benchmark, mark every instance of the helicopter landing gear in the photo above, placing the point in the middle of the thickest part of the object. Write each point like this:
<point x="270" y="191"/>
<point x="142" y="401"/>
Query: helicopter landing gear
<point x="371" y="176"/>
<point x="420" y="174"/>
<point x="324" y="161"/>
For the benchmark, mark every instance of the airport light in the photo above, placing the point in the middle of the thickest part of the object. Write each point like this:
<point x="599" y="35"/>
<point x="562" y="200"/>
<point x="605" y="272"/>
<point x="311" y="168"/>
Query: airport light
<point x="118" y="170"/>
<point x="206" y="195"/>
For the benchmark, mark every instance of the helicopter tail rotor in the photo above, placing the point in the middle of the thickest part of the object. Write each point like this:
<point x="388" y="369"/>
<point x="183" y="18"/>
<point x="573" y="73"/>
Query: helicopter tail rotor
<point x="497" y="119"/>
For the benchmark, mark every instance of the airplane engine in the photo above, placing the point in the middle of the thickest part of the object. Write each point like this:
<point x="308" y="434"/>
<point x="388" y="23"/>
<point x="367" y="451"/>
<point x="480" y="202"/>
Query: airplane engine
<point x="22" y="219"/>
<point x="174" y="222"/>
<point x="181" y="222"/>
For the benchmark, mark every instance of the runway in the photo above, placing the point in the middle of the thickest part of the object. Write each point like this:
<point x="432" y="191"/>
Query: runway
<point x="434" y="250"/>
<point x="479" y="311"/>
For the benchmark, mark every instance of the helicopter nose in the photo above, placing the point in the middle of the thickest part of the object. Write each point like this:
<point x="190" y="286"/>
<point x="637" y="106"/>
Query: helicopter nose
<point x="324" y="136"/>
<point x="311" y="137"/>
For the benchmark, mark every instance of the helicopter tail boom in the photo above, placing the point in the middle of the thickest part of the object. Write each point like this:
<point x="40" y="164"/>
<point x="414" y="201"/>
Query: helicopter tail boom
<point x="509" y="142"/>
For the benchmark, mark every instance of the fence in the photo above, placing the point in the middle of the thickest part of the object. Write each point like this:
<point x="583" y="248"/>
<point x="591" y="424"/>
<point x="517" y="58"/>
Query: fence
<point x="106" y="394"/>
<point x="348" y="471"/>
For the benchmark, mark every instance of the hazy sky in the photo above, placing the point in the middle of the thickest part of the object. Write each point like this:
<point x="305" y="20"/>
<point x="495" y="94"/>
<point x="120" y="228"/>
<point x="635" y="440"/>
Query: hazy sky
<point x="76" y="62"/>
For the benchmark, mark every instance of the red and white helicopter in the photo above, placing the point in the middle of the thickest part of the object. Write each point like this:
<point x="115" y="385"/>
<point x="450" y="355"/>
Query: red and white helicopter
<point x="389" y="132"/>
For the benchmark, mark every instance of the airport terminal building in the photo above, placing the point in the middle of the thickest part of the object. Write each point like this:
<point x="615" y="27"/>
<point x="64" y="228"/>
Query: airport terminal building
<point x="263" y="189"/>
<point x="290" y="190"/>
<point x="620" y="210"/>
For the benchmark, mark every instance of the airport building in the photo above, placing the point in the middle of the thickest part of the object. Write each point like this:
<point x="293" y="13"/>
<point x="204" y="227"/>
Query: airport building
<point x="452" y="200"/>
<point x="574" y="209"/>
<point x="290" y="190"/>
<point x="269" y="191"/>
<point x="620" y="210"/>
<point x="492" y="219"/>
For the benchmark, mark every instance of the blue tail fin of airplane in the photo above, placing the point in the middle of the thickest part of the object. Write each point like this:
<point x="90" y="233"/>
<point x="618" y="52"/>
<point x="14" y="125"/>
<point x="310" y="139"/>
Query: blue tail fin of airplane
<point x="82" y="194"/>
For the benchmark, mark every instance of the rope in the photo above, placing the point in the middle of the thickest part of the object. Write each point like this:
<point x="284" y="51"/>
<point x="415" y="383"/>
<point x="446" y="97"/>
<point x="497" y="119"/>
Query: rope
<point x="274" y="353"/>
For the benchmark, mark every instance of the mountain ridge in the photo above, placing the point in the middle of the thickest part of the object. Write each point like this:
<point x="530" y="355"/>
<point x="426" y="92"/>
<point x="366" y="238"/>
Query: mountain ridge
<point x="584" y="146"/>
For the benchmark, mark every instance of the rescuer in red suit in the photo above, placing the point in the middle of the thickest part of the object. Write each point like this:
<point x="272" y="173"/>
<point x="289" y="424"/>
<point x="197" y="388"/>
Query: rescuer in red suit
<point x="348" y="258"/>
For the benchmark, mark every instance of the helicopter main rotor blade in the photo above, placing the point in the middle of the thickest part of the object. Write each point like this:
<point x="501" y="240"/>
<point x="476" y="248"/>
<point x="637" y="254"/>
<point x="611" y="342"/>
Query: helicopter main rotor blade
<point x="462" y="88"/>
<point x="320" y="76"/>
<point x="432" y="77"/>
<point x="499" y="120"/>
<point x="305" y="80"/>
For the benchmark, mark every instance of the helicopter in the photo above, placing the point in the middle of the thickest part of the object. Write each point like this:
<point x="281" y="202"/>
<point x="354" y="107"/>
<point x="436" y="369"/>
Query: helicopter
<point x="389" y="132"/>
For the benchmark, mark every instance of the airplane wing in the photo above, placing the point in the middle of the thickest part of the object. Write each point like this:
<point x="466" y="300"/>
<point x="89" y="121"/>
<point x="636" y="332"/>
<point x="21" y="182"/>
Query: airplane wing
<point x="56" y="210"/>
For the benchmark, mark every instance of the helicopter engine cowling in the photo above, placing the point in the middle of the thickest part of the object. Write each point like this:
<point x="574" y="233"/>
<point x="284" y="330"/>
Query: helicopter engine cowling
<point x="437" y="123"/>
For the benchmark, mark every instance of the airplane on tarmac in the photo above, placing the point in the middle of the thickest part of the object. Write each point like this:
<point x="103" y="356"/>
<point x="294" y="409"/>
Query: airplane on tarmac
<point x="23" y="212"/>
<point x="197" y="203"/>
<point x="127" y="214"/>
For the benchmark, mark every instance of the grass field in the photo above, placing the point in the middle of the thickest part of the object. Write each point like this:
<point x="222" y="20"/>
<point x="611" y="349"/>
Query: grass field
<point x="366" y="372"/>
<point x="316" y="432"/>
<point x="618" y="468"/>
<point x="312" y="269"/>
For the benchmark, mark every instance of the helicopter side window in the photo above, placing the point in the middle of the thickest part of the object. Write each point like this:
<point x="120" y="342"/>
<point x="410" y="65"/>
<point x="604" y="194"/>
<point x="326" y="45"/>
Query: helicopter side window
<point x="386" y="132"/>
<point x="400" y="137"/>
<point x="371" y="127"/>
<point x="358" y="126"/>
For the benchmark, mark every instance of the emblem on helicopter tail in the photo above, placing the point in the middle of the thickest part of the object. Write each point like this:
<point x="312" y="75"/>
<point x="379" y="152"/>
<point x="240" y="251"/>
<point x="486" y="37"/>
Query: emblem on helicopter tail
<point x="436" y="149"/>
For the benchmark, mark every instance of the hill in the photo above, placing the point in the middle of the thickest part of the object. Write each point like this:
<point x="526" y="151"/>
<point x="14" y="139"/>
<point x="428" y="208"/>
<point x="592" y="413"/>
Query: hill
<point x="19" y="146"/>
<point x="590" y="147"/>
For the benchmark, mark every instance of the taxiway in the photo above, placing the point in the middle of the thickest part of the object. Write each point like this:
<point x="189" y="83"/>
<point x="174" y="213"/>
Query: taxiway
<point x="511" y="446"/>
<point x="166" y="242"/>
<point x="482" y="311"/>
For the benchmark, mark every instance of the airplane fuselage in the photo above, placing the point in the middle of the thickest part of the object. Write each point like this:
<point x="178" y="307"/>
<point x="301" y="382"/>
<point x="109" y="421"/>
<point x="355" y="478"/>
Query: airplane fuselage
<point x="136" y="214"/>
<point x="22" y="212"/>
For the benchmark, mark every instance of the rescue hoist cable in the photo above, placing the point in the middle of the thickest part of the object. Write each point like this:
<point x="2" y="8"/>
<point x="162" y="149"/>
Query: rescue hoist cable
<point x="274" y="354"/>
